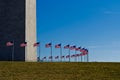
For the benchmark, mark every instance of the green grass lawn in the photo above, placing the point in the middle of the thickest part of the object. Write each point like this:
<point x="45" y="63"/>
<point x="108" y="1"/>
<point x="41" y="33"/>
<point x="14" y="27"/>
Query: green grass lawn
<point x="59" y="71"/>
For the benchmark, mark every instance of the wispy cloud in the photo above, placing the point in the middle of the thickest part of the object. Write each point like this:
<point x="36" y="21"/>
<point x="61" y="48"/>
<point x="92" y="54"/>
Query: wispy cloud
<point x="113" y="44"/>
<point x="111" y="12"/>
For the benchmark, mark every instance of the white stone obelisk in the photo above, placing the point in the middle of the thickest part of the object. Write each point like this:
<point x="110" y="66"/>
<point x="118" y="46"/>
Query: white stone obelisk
<point x="30" y="51"/>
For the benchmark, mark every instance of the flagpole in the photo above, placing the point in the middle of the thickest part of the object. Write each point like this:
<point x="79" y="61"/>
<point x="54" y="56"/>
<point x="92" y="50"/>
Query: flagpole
<point x="58" y="59"/>
<point x="64" y="59"/>
<point x="51" y="53"/>
<point x="61" y="53"/>
<point x="39" y="53"/>
<point x="75" y="56"/>
<point x="13" y="51"/>
<point x="25" y="51"/>
<point x="81" y="57"/>
<point x="69" y="54"/>
<point x="12" y="58"/>
<point x="87" y="57"/>
<point x="84" y="58"/>
<point x="78" y="58"/>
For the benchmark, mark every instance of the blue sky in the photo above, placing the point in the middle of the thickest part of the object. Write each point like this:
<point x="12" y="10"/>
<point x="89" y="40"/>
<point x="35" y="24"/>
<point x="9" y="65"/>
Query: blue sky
<point x="93" y="24"/>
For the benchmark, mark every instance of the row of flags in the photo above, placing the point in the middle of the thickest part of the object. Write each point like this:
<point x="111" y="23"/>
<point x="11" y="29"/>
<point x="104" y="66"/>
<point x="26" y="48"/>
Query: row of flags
<point x="68" y="56"/>
<point x="11" y="43"/>
<point x="83" y="50"/>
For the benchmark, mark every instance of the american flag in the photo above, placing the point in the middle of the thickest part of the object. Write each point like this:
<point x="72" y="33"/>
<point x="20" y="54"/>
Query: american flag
<point x="78" y="49"/>
<point x="77" y="55"/>
<point x="62" y="56"/>
<point x="67" y="56"/>
<point x="85" y="52"/>
<point x="58" y="46"/>
<point x="66" y="47"/>
<point x="36" y="44"/>
<point x="80" y="54"/>
<point x="56" y="57"/>
<point x="23" y="44"/>
<point x="44" y="57"/>
<point x="48" y="45"/>
<point x="50" y="57"/>
<point x="82" y="50"/>
<point x="10" y="43"/>
<point x="72" y="47"/>
<point x="72" y="56"/>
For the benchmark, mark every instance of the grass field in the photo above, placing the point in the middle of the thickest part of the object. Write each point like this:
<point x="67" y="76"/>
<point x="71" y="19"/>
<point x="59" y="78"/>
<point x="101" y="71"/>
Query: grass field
<point x="59" y="71"/>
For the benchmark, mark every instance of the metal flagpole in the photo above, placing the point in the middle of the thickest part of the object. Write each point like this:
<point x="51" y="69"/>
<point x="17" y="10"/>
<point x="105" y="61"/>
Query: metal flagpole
<point x="39" y="53"/>
<point x="12" y="58"/>
<point x="25" y="50"/>
<point x="87" y="57"/>
<point x="13" y="51"/>
<point x="78" y="58"/>
<point x="75" y="56"/>
<point x="69" y="54"/>
<point x="61" y="53"/>
<point x="84" y="58"/>
<point x="81" y="58"/>
<point x="58" y="58"/>
<point x="51" y="52"/>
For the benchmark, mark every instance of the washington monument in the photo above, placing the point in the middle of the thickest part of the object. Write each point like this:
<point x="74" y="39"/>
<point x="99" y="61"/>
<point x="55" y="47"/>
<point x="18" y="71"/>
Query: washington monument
<point x="18" y="24"/>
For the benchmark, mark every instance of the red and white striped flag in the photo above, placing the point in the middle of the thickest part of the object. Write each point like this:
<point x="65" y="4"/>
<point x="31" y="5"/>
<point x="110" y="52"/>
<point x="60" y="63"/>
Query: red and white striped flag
<point x="77" y="55"/>
<point x="85" y="52"/>
<point x="10" y="43"/>
<point x="66" y="47"/>
<point x="44" y="57"/>
<point x="48" y="45"/>
<point x="50" y="57"/>
<point x="36" y="44"/>
<point x="72" y="56"/>
<point x="23" y="44"/>
<point x="58" y="46"/>
<point x="72" y="47"/>
<point x="78" y="49"/>
<point x="68" y="56"/>
<point x="80" y="54"/>
<point x="82" y="50"/>
<point x="56" y="57"/>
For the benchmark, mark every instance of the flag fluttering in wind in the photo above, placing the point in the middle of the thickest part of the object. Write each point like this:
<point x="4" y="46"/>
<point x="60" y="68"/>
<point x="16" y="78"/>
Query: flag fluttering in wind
<point x="82" y="50"/>
<point x="85" y="52"/>
<point x="10" y="43"/>
<point x="72" y="47"/>
<point x="58" y="46"/>
<point x="62" y="56"/>
<point x="23" y="44"/>
<point x="48" y="45"/>
<point x="72" y="56"/>
<point x="80" y="54"/>
<point x="66" y="47"/>
<point x="44" y="57"/>
<point x="50" y="57"/>
<point x="77" y="55"/>
<point x="68" y="56"/>
<point x="56" y="57"/>
<point x="78" y="49"/>
<point x="36" y="44"/>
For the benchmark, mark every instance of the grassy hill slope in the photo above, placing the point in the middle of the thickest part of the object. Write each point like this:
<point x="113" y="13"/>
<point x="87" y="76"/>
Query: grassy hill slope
<point x="59" y="71"/>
